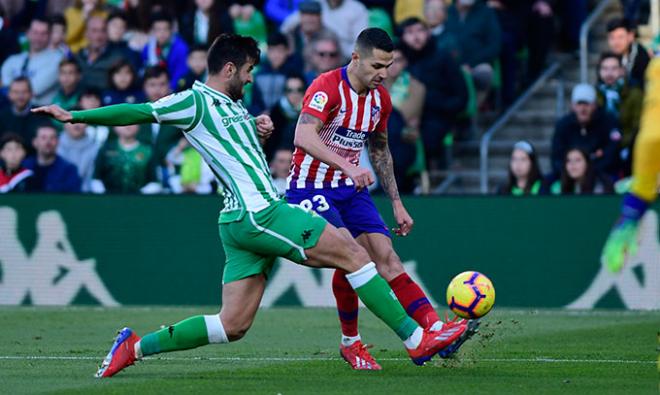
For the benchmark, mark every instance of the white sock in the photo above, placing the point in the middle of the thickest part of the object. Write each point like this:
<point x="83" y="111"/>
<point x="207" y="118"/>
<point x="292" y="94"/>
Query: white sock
<point x="437" y="326"/>
<point x="215" y="330"/>
<point x="362" y="276"/>
<point x="348" y="341"/>
<point x="413" y="341"/>
<point x="138" y="350"/>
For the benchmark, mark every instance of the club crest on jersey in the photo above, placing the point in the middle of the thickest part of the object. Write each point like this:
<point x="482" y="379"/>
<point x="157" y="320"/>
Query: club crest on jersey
<point x="375" y="114"/>
<point x="319" y="100"/>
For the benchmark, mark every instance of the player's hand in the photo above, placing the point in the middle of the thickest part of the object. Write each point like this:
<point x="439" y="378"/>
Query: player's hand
<point x="54" y="111"/>
<point x="265" y="126"/>
<point x="361" y="177"/>
<point x="403" y="220"/>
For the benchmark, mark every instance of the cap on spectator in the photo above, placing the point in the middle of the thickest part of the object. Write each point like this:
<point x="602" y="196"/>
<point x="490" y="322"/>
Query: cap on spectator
<point x="524" y="146"/>
<point x="309" y="7"/>
<point x="583" y="93"/>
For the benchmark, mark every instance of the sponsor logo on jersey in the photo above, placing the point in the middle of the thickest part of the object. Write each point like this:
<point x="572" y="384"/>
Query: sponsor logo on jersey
<point x="319" y="100"/>
<point x="237" y="118"/>
<point x="348" y="138"/>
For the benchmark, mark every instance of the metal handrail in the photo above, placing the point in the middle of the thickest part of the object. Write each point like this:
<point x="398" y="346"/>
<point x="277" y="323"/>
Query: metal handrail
<point x="584" y="38"/>
<point x="501" y="121"/>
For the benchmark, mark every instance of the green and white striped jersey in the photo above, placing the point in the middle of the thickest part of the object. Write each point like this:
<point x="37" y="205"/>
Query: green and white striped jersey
<point x="225" y="134"/>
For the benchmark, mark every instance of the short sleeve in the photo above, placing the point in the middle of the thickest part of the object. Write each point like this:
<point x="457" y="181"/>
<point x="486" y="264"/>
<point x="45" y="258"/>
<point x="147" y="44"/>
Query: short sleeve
<point x="181" y="110"/>
<point x="385" y="110"/>
<point x="321" y="98"/>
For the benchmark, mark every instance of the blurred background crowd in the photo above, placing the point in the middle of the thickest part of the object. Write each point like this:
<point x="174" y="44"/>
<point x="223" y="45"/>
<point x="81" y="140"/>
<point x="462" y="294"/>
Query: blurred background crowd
<point x="454" y="62"/>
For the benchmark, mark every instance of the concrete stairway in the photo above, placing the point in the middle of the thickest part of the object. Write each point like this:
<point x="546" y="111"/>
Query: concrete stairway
<point x="535" y="122"/>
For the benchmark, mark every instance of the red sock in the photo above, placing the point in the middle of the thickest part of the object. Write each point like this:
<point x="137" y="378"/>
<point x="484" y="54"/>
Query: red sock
<point x="414" y="300"/>
<point x="347" y="303"/>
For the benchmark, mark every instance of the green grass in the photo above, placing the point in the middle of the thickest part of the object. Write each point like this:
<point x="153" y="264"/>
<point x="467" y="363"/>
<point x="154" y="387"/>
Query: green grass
<point x="582" y="353"/>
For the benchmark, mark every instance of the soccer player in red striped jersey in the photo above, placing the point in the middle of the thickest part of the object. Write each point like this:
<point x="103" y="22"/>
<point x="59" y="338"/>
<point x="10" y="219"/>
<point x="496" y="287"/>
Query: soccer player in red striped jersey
<point x="344" y="109"/>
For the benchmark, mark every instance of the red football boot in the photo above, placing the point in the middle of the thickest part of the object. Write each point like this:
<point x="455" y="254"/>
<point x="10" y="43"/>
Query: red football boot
<point x="357" y="355"/>
<point x="121" y="355"/>
<point x="434" y="341"/>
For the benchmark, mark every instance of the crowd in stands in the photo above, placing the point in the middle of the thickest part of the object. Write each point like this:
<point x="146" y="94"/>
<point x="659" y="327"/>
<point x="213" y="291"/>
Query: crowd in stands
<point x="452" y="58"/>
<point x="592" y="146"/>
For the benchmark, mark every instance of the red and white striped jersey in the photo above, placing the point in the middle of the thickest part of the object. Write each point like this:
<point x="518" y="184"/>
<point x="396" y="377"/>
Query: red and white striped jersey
<point x="348" y="119"/>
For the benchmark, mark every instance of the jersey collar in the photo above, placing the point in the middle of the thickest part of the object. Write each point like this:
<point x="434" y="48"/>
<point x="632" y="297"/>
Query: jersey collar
<point x="200" y="86"/>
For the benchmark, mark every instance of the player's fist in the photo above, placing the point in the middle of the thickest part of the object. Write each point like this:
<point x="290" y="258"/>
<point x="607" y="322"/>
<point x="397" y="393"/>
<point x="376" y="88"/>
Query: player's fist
<point x="264" y="126"/>
<point x="54" y="111"/>
<point x="361" y="177"/>
<point x="403" y="220"/>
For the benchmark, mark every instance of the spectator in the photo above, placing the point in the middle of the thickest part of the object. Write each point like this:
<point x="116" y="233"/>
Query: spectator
<point x="346" y="18"/>
<point x="407" y="94"/>
<point x="90" y="99"/>
<point x="77" y="16"/>
<point x="8" y="38"/>
<point x="269" y="80"/>
<point x="196" y="68"/>
<point x="572" y="14"/>
<point x="166" y="49"/>
<point x="39" y="64"/>
<point x="52" y="173"/>
<point x="194" y="175"/>
<point x="285" y="116"/>
<point x="435" y="16"/>
<point x="279" y="169"/>
<point x="96" y="59"/>
<point x="478" y="33"/>
<point x="635" y="58"/>
<point x="579" y="177"/>
<point x="160" y="137"/>
<point x="446" y="92"/>
<point x="249" y="21"/>
<point x="302" y="27"/>
<point x="587" y="127"/>
<point x="405" y="9"/>
<point x="13" y="176"/>
<point x="17" y="117"/>
<point x="76" y="147"/>
<point x="622" y="100"/>
<point x="123" y="85"/>
<point x="125" y="165"/>
<point x="58" y="35"/>
<point x="525" y="176"/>
<point x="278" y="10"/>
<point x="69" y="77"/>
<point x="325" y="55"/>
<point x="118" y="38"/>
<point x="631" y="10"/>
<point x="540" y="34"/>
<point x="205" y="21"/>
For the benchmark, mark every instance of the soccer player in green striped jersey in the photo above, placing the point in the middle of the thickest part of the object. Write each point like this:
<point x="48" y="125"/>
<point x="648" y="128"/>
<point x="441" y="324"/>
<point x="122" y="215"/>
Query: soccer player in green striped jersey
<point x="255" y="225"/>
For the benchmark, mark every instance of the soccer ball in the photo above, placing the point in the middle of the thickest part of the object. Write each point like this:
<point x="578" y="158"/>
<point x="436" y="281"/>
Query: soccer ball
<point x="470" y="295"/>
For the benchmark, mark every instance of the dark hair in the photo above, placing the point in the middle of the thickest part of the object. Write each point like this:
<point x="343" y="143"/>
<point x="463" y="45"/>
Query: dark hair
<point x="155" y="72"/>
<point x="588" y="181"/>
<point x="413" y="20"/>
<point x="11" y="137"/>
<point x="57" y="19"/>
<point x="232" y="48"/>
<point x="41" y="20"/>
<point x="22" y="79"/>
<point x="603" y="57"/>
<point x="374" y="38"/>
<point x="198" y="47"/>
<point x="534" y="171"/>
<point x="118" y="14"/>
<point x="620" y="23"/>
<point x="160" y="17"/>
<point x="89" y="91"/>
<point x="120" y="64"/>
<point x="72" y="62"/>
<point x="277" y="38"/>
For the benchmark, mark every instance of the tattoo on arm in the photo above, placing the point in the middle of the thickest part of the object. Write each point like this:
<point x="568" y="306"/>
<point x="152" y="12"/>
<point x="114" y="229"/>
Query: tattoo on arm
<point x="381" y="160"/>
<point x="307" y="119"/>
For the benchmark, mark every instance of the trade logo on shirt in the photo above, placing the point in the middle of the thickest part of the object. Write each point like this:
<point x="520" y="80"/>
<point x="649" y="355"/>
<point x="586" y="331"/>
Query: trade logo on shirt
<point x="319" y="100"/>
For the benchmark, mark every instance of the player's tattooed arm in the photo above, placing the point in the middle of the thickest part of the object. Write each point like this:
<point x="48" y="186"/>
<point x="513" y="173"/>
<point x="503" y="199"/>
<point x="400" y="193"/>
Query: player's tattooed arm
<point x="307" y="119"/>
<point x="381" y="160"/>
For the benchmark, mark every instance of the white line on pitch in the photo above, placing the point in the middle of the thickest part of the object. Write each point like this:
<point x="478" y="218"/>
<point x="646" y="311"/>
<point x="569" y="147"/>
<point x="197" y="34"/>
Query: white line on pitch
<point x="296" y="359"/>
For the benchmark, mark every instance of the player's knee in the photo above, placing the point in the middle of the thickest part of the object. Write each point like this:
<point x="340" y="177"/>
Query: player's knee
<point x="236" y="329"/>
<point x="357" y="255"/>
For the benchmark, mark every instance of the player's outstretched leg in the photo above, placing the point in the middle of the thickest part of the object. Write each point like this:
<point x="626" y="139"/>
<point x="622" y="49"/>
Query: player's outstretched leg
<point x="333" y="250"/>
<point x="240" y="303"/>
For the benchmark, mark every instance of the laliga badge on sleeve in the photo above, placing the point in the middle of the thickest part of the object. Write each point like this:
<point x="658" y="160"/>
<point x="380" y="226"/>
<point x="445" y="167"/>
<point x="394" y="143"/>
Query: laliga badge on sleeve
<point x="319" y="100"/>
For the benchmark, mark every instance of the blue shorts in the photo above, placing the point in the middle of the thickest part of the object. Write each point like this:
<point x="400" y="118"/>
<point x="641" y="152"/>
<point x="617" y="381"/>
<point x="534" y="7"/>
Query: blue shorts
<point x="344" y="207"/>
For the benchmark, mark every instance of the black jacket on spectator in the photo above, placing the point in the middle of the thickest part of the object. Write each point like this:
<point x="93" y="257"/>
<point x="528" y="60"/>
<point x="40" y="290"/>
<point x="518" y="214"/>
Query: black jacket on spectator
<point x="269" y="83"/>
<point x="24" y="124"/>
<point x="446" y="93"/>
<point x="640" y="58"/>
<point x="479" y="35"/>
<point x="284" y="122"/>
<point x="602" y="133"/>
<point x="8" y="43"/>
<point x="187" y="26"/>
<point x="95" y="75"/>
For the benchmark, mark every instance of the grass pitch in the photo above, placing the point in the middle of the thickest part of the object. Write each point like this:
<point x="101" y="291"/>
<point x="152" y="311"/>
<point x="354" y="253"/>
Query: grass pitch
<point x="294" y="351"/>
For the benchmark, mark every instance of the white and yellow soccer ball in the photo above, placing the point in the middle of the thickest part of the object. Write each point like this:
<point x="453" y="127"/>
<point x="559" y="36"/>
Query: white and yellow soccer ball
<point x="470" y="295"/>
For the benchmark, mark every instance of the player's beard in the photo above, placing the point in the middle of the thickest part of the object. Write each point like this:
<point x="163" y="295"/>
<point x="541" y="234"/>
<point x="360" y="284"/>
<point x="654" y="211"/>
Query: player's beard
<point x="235" y="88"/>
